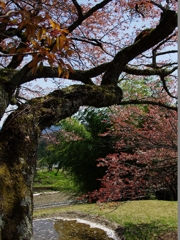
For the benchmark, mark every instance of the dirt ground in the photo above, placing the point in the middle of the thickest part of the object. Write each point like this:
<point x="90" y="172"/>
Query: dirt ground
<point x="54" y="197"/>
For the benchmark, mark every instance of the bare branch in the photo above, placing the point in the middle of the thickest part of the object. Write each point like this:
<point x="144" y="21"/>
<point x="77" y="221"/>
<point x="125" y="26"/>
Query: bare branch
<point x="167" y="52"/>
<point x="149" y="72"/>
<point x="166" y="88"/>
<point x="88" y="14"/>
<point x="78" y="7"/>
<point x="148" y="102"/>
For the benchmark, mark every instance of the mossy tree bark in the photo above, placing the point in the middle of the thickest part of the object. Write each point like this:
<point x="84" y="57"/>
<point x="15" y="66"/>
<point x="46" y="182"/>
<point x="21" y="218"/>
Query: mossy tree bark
<point x="18" y="145"/>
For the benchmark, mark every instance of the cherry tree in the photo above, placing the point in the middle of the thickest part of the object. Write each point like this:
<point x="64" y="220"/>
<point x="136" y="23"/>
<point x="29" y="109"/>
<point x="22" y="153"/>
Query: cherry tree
<point x="145" y="158"/>
<point x="95" y="44"/>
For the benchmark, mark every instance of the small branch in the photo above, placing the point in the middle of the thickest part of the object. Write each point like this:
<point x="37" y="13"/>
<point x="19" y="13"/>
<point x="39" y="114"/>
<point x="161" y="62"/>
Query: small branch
<point x="141" y="102"/>
<point x="78" y="7"/>
<point x="166" y="88"/>
<point x="88" y="14"/>
<point x="147" y="72"/>
<point x="17" y="54"/>
<point x="164" y="41"/>
<point x="161" y="67"/>
<point x="9" y="14"/>
<point x="94" y="42"/>
<point x="167" y="52"/>
<point x="137" y="10"/>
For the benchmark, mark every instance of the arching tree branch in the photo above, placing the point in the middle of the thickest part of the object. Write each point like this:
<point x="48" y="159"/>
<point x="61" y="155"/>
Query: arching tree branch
<point x="166" y="26"/>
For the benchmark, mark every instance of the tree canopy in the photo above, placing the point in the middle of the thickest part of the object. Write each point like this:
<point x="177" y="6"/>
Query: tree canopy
<point x="144" y="162"/>
<point x="90" y="43"/>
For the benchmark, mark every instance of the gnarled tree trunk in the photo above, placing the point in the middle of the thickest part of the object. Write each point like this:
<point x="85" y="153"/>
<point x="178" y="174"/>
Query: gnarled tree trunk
<point x="18" y="145"/>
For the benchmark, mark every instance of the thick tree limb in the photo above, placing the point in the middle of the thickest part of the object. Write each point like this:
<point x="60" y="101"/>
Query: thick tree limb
<point x="84" y="76"/>
<point x="63" y="103"/>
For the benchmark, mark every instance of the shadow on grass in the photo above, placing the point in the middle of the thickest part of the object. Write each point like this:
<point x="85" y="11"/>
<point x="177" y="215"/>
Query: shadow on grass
<point x="151" y="231"/>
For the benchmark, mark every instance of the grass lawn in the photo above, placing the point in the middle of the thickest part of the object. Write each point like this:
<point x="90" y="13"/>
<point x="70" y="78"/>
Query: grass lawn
<point x="143" y="220"/>
<point x="51" y="181"/>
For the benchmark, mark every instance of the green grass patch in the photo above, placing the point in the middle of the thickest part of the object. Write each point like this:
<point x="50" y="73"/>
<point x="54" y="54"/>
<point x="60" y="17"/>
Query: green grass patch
<point x="144" y="220"/>
<point x="52" y="181"/>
